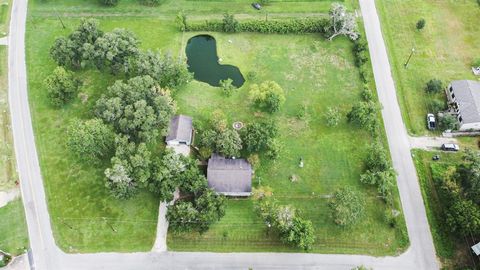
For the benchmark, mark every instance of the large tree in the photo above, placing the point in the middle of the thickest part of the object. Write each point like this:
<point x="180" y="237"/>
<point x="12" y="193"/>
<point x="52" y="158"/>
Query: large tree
<point x="69" y="52"/>
<point x="258" y="135"/>
<point x="114" y="50"/>
<point x="342" y="22"/>
<point x="268" y="96"/>
<point x="120" y="184"/>
<point x="135" y="158"/>
<point x="166" y="174"/>
<point x="61" y="86"/>
<point x="364" y="113"/>
<point x="138" y="108"/>
<point x="90" y="140"/>
<point x="198" y="214"/>
<point x="347" y="207"/>
<point x="221" y="139"/>
<point x="168" y="71"/>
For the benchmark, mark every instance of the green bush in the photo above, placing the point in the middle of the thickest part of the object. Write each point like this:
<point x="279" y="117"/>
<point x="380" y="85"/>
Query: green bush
<point x="109" y="3"/>
<point x="434" y="86"/>
<point x="291" y="26"/>
<point x="150" y="3"/>
<point x="476" y="63"/>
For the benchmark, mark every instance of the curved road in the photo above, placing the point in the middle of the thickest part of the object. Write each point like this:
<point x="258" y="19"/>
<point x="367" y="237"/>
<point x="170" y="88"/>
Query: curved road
<point x="47" y="256"/>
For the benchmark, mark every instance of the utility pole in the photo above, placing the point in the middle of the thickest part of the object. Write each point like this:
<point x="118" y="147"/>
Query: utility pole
<point x="409" y="57"/>
<point x="60" y="19"/>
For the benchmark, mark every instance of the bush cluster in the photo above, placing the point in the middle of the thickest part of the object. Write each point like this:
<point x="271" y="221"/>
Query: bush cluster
<point x="291" y="26"/>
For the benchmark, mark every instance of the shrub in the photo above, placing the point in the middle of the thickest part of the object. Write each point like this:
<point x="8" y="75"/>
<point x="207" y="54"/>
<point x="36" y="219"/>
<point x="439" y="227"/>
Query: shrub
<point x="421" y="24"/>
<point x="449" y="122"/>
<point x="62" y="86"/>
<point x="437" y="105"/>
<point x="109" y="3"/>
<point x="230" y="24"/>
<point x="332" y="116"/>
<point x="360" y="51"/>
<point x="434" y="86"/>
<point x="347" y="207"/>
<point x="227" y="87"/>
<point x="150" y="3"/>
<point x="367" y="94"/>
<point x="476" y="63"/>
<point x="391" y="217"/>
<point x="268" y="96"/>
<point x="290" y="26"/>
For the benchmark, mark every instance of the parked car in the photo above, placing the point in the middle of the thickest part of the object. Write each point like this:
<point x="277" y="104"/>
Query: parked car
<point x="256" y="6"/>
<point x="450" y="147"/>
<point x="431" y="124"/>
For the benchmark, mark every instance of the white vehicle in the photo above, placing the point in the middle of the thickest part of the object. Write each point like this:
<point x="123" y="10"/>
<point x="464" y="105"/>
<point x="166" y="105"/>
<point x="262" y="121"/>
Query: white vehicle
<point x="431" y="124"/>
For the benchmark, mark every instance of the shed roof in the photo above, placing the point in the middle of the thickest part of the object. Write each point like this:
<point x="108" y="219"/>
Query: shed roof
<point x="467" y="96"/>
<point x="180" y="129"/>
<point x="231" y="177"/>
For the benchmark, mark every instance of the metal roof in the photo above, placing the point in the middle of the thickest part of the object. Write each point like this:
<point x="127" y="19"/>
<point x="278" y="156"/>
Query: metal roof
<point x="232" y="177"/>
<point x="467" y="96"/>
<point x="180" y="129"/>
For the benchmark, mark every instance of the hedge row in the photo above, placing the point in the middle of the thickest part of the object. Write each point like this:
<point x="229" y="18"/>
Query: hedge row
<point x="291" y="26"/>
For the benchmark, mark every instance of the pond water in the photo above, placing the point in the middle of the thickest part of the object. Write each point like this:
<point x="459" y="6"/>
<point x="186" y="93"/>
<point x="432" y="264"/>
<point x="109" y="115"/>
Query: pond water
<point x="203" y="61"/>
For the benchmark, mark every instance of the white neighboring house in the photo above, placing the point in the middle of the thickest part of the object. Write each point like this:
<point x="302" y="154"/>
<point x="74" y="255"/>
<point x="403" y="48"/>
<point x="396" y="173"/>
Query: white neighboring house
<point x="464" y="97"/>
<point x="180" y="134"/>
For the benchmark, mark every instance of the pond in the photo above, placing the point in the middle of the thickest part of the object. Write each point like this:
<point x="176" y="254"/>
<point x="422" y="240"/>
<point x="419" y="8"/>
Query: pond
<point x="203" y="61"/>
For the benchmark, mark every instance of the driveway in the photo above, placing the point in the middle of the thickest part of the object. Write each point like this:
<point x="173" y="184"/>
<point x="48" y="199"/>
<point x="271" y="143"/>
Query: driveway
<point x="47" y="256"/>
<point x="430" y="143"/>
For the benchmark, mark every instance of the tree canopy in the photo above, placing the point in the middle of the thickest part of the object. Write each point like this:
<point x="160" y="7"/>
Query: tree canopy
<point x="168" y="71"/>
<point x="113" y="50"/>
<point x="62" y="86"/>
<point x="138" y="108"/>
<point x="90" y="140"/>
<point x="268" y="96"/>
<point x="70" y="51"/>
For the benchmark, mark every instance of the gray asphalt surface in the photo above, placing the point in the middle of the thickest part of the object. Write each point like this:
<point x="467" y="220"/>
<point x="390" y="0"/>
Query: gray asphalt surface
<point x="47" y="256"/>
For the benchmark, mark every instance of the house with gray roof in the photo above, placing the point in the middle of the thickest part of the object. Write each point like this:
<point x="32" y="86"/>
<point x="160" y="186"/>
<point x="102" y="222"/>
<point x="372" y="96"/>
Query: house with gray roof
<point x="180" y="131"/>
<point x="230" y="177"/>
<point x="464" y="97"/>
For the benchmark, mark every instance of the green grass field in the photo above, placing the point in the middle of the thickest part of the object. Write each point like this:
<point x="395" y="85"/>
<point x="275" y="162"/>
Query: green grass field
<point x="444" y="49"/>
<point x="452" y="251"/>
<point x="13" y="228"/>
<point x="315" y="73"/>
<point x="169" y="8"/>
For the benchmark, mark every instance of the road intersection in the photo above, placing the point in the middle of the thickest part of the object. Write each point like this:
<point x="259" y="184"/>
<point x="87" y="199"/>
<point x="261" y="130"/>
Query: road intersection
<point x="47" y="256"/>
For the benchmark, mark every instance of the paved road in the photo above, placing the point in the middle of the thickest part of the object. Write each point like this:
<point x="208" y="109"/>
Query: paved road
<point x="421" y="254"/>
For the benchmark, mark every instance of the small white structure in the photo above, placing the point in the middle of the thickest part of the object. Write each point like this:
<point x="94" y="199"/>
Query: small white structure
<point x="464" y="97"/>
<point x="180" y="134"/>
<point x="476" y="249"/>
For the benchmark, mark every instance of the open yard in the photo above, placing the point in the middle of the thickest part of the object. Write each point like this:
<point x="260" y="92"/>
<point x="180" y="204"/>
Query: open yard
<point x="453" y="251"/>
<point x="13" y="228"/>
<point x="444" y="49"/>
<point x="316" y="74"/>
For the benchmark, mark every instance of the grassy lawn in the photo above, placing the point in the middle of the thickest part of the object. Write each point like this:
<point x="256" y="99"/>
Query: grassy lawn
<point x="315" y="74"/>
<point x="444" y="49"/>
<point x="8" y="175"/>
<point x="13" y="228"/>
<point x="453" y="252"/>
<point x="170" y="8"/>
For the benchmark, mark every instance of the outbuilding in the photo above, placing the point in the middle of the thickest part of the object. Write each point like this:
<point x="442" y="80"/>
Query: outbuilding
<point x="230" y="177"/>
<point x="180" y="131"/>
